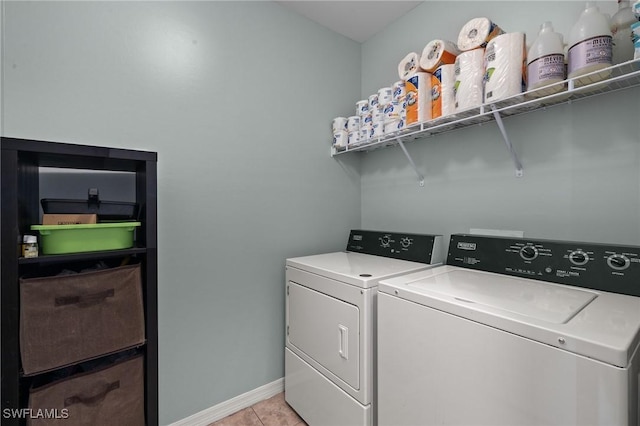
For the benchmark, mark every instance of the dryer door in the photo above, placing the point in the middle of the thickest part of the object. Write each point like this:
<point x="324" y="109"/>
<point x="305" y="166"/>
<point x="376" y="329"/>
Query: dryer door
<point x="325" y="329"/>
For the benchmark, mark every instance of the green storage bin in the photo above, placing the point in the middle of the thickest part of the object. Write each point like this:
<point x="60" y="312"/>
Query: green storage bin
<point x="61" y="239"/>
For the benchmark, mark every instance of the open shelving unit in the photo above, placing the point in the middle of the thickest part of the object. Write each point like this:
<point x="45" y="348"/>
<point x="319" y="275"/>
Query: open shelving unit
<point x="608" y="80"/>
<point x="21" y="162"/>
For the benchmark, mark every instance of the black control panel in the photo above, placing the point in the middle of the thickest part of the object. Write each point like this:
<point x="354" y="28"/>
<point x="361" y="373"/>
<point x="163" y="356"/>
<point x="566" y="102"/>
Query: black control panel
<point x="421" y="248"/>
<point x="590" y="265"/>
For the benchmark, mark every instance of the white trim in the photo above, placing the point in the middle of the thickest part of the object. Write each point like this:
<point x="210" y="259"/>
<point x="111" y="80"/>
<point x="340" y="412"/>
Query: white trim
<point x="230" y="406"/>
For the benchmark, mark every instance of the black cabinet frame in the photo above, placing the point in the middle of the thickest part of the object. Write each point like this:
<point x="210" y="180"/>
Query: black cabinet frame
<point x="20" y="163"/>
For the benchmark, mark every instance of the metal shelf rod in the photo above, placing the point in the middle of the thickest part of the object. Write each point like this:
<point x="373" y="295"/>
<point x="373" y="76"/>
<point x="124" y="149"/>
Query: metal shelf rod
<point x="413" y="165"/>
<point x="512" y="151"/>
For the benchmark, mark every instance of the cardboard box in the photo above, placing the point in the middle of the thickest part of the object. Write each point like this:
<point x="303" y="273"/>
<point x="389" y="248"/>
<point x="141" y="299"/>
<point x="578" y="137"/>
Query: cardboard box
<point x="68" y="219"/>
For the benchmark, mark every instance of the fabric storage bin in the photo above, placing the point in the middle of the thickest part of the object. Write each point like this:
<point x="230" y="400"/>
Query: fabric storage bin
<point x="113" y="395"/>
<point x="69" y="318"/>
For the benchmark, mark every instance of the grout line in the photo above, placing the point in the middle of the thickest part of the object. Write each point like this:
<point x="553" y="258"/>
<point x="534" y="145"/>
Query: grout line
<point x="259" y="419"/>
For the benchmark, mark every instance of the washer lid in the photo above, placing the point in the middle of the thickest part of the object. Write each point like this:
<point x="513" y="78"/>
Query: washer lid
<point x="362" y="270"/>
<point x="530" y="298"/>
<point x="596" y="324"/>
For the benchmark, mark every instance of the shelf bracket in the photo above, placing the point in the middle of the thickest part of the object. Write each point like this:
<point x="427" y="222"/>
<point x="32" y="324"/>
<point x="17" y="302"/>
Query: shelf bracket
<point x="512" y="152"/>
<point x="413" y="165"/>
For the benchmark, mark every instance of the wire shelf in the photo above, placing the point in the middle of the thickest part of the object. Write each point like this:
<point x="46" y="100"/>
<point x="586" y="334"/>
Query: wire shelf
<point x="611" y="79"/>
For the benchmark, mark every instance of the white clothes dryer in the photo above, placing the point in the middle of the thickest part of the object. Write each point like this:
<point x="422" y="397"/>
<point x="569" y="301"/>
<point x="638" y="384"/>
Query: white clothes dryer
<point x="513" y="332"/>
<point x="330" y="322"/>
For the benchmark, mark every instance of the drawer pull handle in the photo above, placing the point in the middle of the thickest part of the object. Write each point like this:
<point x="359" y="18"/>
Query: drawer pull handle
<point x="91" y="400"/>
<point x="86" y="299"/>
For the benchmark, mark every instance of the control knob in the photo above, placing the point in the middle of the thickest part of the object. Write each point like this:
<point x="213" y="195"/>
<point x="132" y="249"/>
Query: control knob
<point x="385" y="241"/>
<point x="618" y="262"/>
<point x="528" y="252"/>
<point x="578" y="257"/>
<point x="405" y="242"/>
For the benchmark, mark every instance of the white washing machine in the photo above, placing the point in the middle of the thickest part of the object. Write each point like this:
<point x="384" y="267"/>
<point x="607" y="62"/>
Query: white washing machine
<point x="330" y="322"/>
<point x="513" y="332"/>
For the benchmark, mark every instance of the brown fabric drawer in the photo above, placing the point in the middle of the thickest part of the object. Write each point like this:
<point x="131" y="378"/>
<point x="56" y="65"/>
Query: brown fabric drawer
<point x="70" y="318"/>
<point x="107" y="397"/>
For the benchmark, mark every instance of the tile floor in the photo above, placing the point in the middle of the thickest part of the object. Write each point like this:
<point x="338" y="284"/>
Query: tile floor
<point x="270" y="412"/>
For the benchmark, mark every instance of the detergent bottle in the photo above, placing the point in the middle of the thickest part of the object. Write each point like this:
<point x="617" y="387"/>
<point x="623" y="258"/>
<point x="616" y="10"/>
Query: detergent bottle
<point x="545" y="63"/>
<point x="590" y="46"/>
<point x="621" y="31"/>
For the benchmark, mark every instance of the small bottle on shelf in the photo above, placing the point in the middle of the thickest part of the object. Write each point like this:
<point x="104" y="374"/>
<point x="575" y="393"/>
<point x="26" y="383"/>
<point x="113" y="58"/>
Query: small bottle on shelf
<point x="30" y="246"/>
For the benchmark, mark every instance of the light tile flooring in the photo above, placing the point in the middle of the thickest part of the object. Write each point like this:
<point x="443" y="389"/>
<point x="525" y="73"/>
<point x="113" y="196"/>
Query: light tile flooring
<point x="270" y="412"/>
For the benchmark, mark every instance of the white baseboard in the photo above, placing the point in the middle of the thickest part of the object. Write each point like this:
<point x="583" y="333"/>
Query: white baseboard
<point x="230" y="406"/>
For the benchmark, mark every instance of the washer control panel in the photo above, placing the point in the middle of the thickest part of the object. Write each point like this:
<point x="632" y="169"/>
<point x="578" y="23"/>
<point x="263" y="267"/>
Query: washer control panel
<point x="591" y="265"/>
<point x="423" y="248"/>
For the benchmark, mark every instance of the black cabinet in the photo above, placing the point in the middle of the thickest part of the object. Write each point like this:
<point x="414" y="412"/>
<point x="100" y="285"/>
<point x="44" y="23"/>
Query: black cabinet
<point x="20" y="198"/>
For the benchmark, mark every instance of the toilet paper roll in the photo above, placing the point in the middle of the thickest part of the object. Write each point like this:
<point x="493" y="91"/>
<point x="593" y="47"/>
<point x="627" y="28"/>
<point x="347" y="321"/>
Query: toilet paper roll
<point x="366" y="120"/>
<point x="394" y="111"/>
<point x="443" y="102"/>
<point x="377" y="130"/>
<point x="393" y="126"/>
<point x="364" y="134"/>
<point x="477" y="33"/>
<point x="339" y="123"/>
<point x="373" y="102"/>
<point x="418" y="88"/>
<point x="362" y="107"/>
<point x="409" y="65"/>
<point x="377" y="117"/>
<point x="505" y="67"/>
<point x="399" y="92"/>
<point x="340" y="139"/>
<point x="385" y="95"/>
<point x="353" y="123"/>
<point x="354" y="137"/>
<point x="469" y="70"/>
<point x="436" y="53"/>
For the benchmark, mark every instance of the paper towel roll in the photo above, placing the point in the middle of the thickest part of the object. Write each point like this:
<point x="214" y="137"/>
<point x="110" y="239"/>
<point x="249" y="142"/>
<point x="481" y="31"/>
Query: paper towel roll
<point x="443" y="102"/>
<point x="505" y="67"/>
<point x="436" y="53"/>
<point x="477" y="33"/>
<point x="469" y="70"/>
<point x="409" y="65"/>
<point x="418" y="88"/>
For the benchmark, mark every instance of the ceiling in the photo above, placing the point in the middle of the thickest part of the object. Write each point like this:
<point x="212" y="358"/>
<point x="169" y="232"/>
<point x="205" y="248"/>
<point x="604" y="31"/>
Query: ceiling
<point x="358" y="20"/>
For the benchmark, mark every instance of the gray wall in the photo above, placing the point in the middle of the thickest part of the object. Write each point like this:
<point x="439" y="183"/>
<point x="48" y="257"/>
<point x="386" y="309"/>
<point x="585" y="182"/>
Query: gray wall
<point x="237" y="99"/>
<point x="581" y="161"/>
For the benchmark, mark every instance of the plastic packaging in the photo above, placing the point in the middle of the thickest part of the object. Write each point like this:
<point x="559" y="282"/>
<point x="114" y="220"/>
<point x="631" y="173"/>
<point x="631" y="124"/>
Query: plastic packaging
<point x="635" y="8"/>
<point x="546" y="61"/>
<point x="590" y="46"/>
<point x="621" y="31"/>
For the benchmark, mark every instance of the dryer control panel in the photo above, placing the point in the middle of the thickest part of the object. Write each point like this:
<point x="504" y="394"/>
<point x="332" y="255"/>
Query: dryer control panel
<point x="423" y="248"/>
<point x="590" y="265"/>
